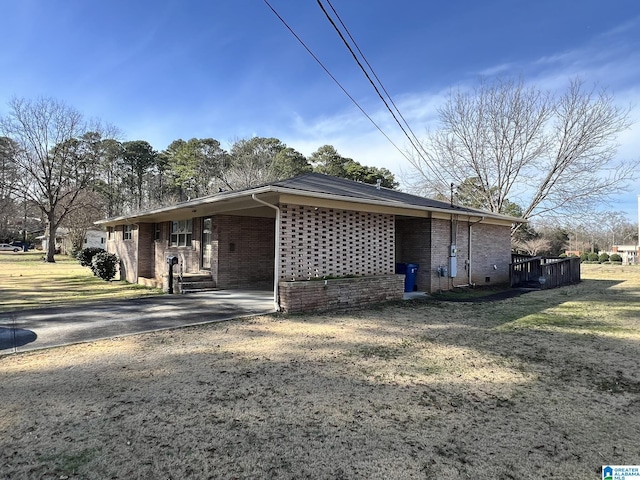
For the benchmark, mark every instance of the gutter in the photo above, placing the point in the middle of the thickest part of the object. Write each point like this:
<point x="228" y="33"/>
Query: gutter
<point x="276" y="268"/>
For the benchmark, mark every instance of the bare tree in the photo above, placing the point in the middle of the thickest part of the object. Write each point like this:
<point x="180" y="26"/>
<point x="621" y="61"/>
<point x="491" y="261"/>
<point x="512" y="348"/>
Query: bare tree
<point x="533" y="246"/>
<point x="83" y="219"/>
<point x="250" y="162"/>
<point x="53" y="169"/>
<point x="551" y="154"/>
<point x="8" y="183"/>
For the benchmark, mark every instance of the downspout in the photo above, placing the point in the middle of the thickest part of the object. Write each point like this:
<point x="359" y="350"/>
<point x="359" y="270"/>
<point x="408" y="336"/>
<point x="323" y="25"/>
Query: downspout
<point x="276" y="268"/>
<point x="469" y="246"/>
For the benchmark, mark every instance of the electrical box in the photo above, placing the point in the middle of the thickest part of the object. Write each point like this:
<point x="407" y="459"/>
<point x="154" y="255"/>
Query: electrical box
<point x="442" y="271"/>
<point x="453" y="261"/>
<point x="453" y="266"/>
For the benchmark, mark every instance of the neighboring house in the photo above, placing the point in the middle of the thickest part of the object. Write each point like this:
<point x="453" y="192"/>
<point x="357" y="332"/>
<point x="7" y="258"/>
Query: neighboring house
<point x="43" y="240"/>
<point x="95" y="237"/>
<point x="284" y="233"/>
<point x="629" y="253"/>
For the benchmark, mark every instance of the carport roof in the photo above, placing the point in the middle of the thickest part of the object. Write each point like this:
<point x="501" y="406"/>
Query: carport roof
<point x="312" y="185"/>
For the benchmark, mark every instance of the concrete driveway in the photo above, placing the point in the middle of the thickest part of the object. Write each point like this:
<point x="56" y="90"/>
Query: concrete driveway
<point x="49" y="327"/>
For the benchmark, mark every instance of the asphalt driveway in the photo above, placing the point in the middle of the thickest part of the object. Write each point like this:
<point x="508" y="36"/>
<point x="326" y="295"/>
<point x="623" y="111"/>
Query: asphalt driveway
<point x="49" y="327"/>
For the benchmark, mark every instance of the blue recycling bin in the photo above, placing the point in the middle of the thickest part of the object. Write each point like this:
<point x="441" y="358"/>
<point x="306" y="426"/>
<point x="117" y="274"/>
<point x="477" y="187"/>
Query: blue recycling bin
<point x="410" y="277"/>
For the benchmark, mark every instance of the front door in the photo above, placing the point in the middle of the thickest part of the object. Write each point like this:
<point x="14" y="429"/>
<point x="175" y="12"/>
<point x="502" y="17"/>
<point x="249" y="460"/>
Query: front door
<point x="205" y="244"/>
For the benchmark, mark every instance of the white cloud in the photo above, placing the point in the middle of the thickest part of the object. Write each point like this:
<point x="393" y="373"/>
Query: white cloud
<point x="609" y="61"/>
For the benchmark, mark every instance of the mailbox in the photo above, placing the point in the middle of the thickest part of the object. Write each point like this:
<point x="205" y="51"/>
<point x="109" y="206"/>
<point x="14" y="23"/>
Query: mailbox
<point x="171" y="260"/>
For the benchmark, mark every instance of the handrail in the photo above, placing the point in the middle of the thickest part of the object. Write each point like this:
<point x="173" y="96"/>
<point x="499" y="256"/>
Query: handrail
<point x="544" y="272"/>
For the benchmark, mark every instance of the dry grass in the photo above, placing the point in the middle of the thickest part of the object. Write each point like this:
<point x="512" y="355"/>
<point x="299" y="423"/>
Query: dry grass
<point x="28" y="282"/>
<point x="540" y="386"/>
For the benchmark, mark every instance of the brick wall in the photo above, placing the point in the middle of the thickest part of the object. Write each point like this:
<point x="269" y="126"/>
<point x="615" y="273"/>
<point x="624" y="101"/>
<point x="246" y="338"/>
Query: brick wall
<point x="127" y="251"/>
<point x="427" y="242"/>
<point x="491" y="245"/>
<point x="317" y="242"/>
<point x="158" y="250"/>
<point x="341" y="293"/>
<point x="243" y="251"/>
<point x="146" y="259"/>
<point x="413" y="245"/>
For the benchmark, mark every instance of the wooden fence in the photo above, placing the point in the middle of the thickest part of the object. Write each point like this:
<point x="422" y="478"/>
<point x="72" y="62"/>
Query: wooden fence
<point x="540" y="272"/>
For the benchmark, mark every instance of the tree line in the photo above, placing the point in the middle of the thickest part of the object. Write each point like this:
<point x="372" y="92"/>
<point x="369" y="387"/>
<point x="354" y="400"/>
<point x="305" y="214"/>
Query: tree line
<point x="56" y="165"/>
<point x="504" y="147"/>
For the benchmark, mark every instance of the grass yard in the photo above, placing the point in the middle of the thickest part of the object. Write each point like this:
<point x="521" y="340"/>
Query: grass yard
<point x="26" y="281"/>
<point x="546" y="385"/>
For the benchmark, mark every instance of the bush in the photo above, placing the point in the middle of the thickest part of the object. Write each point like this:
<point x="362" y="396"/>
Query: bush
<point x="105" y="265"/>
<point x="604" y="257"/>
<point x="593" y="257"/>
<point x="85" y="256"/>
<point x="615" y="258"/>
<point x="584" y="256"/>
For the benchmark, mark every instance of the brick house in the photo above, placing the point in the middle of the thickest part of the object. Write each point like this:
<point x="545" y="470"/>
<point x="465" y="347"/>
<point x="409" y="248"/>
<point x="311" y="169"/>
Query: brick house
<point x="282" y="234"/>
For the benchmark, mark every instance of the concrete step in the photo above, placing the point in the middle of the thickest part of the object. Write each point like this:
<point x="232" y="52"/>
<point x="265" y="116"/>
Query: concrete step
<point x="196" y="277"/>
<point x="194" y="283"/>
<point x="197" y="290"/>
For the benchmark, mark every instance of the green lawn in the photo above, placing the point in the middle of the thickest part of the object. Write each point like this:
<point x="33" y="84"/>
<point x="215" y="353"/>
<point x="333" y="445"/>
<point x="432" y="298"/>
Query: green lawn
<point x="26" y="281"/>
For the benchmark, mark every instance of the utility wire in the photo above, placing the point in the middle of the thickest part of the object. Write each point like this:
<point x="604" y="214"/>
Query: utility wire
<point x="334" y="78"/>
<point x="364" y="58"/>
<point x="366" y="74"/>
<point x="415" y="143"/>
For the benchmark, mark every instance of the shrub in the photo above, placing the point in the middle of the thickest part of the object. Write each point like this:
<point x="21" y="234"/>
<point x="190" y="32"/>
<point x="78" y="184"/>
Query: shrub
<point x="593" y="257"/>
<point x="104" y="265"/>
<point x="85" y="256"/>
<point x="584" y="256"/>
<point x="604" y="257"/>
<point x="615" y="258"/>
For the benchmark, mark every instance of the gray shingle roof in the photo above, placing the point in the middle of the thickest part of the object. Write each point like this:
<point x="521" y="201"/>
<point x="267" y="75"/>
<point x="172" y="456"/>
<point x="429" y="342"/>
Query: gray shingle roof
<point x="316" y="184"/>
<point x="319" y="183"/>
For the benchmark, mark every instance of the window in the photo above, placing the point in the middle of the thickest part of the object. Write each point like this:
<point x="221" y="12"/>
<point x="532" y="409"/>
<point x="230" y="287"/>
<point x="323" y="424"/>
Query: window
<point x="181" y="233"/>
<point x="127" y="232"/>
<point x="157" y="232"/>
<point x="110" y="233"/>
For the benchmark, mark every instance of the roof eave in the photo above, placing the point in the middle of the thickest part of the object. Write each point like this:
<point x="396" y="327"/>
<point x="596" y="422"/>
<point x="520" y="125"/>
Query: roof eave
<point x="302" y="193"/>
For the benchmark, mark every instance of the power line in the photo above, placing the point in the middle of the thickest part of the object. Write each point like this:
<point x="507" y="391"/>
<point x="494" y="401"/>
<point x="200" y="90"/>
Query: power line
<point x="334" y="78"/>
<point x="366" y="74"/>
<point x="415" y="143"/>
<point x="364" y="58"/>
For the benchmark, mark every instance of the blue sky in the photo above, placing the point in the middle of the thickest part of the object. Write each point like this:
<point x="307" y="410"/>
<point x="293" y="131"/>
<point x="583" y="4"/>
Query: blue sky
<point x="166" y="69"/>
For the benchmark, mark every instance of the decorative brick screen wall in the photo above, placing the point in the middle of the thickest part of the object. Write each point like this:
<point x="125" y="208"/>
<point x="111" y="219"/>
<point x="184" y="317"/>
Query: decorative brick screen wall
<point x="322" y="241"/>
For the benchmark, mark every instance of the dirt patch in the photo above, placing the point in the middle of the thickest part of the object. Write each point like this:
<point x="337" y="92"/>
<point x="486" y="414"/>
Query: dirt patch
<point x="540" y="386"/>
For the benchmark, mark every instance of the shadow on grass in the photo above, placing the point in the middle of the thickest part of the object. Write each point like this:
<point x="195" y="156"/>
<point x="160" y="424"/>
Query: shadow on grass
<point x="333" y="405"/>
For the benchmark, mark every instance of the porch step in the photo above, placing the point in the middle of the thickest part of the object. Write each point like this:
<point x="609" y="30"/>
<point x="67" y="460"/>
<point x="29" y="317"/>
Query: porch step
<point x="194" y="283"/>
